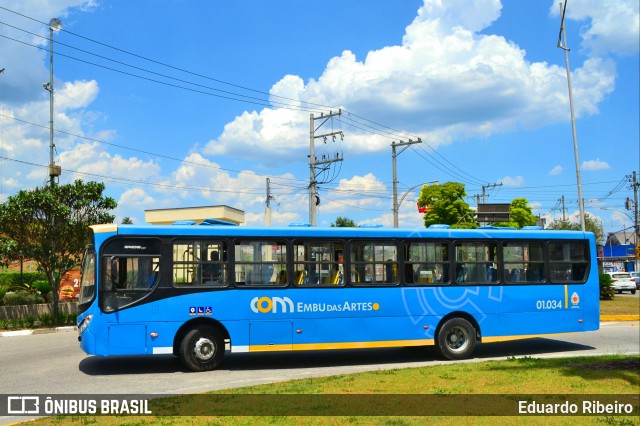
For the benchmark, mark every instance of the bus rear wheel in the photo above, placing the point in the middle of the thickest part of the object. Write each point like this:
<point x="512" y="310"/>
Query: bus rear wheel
<point x="202" y="349"/>
<point x="456" y="339"/>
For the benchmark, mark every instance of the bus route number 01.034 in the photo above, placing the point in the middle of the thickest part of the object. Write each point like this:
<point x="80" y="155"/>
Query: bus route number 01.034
<point x="548" y="304"/>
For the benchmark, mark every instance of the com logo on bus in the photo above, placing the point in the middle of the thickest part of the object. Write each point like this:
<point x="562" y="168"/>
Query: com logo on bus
<point x="271" y="304"/>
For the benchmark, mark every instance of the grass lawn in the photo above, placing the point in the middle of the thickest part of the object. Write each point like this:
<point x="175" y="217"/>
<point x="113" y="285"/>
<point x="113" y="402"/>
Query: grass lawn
<point x="496" y="385"/>
<point x="620" y="305"/>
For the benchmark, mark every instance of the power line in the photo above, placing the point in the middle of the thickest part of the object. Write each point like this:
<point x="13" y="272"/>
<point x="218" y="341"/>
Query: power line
<point x="304" y="105"/>
<point x="165" y="64"/>
<point x="195" y="163"/>
<point x="141" y="182"/>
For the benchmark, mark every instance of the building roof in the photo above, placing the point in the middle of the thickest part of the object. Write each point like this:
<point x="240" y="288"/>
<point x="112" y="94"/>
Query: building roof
<point x="621" y="238"/>
<point x="197" y="214"/>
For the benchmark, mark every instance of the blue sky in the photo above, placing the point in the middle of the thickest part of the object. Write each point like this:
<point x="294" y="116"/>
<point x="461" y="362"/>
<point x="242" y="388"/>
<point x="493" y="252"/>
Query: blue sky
<point x="178" y="104"/>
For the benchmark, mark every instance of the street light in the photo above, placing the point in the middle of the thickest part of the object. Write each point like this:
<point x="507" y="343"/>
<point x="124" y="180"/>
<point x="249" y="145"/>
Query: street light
<point x="54" y="171"/>
<point x="562" y="44"/>
<point x="397" y="207"/>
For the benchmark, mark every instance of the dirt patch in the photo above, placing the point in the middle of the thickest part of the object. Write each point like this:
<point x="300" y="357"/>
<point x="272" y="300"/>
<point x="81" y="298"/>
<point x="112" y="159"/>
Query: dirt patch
<point x="626" y="364"/>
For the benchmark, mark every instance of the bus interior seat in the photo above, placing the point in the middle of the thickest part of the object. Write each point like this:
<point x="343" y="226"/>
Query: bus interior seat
<point x="301" y="277"/>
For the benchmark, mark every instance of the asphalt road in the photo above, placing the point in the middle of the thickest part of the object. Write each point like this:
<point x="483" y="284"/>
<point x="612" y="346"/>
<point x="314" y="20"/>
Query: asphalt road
<point x="53" y="363"/>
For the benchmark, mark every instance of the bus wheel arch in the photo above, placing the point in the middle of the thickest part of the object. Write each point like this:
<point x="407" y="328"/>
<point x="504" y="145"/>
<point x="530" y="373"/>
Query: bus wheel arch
<point x="200" y="344"/>
<point x="457" y="335"/>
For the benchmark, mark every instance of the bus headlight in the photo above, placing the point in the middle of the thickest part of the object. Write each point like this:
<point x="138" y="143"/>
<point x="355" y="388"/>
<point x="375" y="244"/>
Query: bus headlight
<point x="84" y="324"/>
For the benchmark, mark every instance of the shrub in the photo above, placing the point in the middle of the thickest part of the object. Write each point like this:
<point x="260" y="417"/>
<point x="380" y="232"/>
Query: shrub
<point x="28" y="322"/>
<point x="606" y="291"/>
<point x="46" y="320"/>
<point x="22" y="297"/>
<point x="9" y="279"/>
<point x="68" y="318"/>
<point x="42" y="286"/>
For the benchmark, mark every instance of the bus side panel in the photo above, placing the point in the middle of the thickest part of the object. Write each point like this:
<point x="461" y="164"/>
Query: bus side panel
<point x="427" y="306"/>
<point x="346" y="333"/>
<point x="543" y="309"/>
<point x="127" y="339"/>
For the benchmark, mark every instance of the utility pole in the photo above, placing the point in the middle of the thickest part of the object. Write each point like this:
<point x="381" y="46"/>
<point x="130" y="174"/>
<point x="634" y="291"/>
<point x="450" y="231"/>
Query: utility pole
<point x="405" y="145"/>
<point x="634" y="187"/>
<point x="314" y="200"/>
<point x="562" y="44"/>
<point x="564" y="217"/>
<point x="267" y="215"/>
<point x="485" y="187"/>
<point x="54" y="171"/>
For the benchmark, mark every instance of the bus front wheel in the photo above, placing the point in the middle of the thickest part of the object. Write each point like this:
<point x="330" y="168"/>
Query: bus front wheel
<point x="456" y="339"/>
<point x="202" y="349"/>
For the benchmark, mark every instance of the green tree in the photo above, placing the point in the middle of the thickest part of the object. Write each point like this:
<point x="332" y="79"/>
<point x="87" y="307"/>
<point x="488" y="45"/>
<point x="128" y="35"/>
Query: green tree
<point x="344" y="222"/>
<point x="521" y="214"/>
<point x="49" y="226"/>
<point x="591" y="224"/>
<point x="446" y="206"/>
<point x="127" y="220"/>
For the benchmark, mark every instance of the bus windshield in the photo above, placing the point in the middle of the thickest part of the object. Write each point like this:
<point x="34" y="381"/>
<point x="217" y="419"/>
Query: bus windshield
<point x="127" y="279"/>
<point x="88" y="278"/>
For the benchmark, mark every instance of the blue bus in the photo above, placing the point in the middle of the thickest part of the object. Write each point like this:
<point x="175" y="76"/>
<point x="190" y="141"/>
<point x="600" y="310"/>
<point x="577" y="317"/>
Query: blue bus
<point x="198" y="291"/>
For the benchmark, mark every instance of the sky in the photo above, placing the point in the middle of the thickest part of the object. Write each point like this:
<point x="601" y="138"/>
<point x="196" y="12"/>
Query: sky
<point x="182" y="104"/>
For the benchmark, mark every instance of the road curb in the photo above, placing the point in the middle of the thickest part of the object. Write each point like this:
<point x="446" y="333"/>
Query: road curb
<point x="36" y="331"/>
<point x="620" y="318"/>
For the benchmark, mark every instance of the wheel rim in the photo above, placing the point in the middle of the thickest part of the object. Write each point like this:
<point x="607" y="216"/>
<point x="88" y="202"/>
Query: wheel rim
<point x="457" y="339"/>
<point x="204" y="349"/>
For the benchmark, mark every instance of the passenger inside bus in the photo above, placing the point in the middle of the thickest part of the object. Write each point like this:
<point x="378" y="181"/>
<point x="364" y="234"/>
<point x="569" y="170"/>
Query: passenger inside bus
<point x="212" y="271"/>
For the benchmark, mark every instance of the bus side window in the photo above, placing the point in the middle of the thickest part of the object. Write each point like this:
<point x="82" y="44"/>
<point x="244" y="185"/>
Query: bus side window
<point x="318" y="263"/>
<point x="569" y="261"/>
<point x="427" y="264"/>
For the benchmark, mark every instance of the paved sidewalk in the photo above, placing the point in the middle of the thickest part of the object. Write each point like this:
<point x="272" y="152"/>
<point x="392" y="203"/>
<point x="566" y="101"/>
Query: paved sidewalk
<point x="36" y="331"/>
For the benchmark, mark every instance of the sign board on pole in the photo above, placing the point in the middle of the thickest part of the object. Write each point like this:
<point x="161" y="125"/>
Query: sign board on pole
<point x="494" y="212"/>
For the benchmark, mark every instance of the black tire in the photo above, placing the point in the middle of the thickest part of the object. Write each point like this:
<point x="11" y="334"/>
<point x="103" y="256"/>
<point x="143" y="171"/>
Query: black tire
<point x="202" y="349"/>
<point x="633" y="292"/>
<point x="456" y="339"/>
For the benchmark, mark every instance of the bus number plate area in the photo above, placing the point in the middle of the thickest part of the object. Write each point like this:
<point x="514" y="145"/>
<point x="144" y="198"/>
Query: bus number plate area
<point x="544" y="305"/>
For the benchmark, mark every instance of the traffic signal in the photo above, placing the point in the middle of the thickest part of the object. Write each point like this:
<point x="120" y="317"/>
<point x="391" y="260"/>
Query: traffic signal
<point x="638" y="251"/>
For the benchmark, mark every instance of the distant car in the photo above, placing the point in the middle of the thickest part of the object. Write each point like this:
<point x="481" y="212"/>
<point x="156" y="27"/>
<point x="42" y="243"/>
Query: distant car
<point x="636" y="277"/>
<point x="622" y="281"/>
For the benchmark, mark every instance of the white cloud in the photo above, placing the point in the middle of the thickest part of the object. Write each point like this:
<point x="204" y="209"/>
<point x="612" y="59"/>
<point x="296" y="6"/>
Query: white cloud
<point x="512" y="181"/>
<point x="75" y="95"/>
<point x="446" y="81"/>
<point x="594" y="165"/>
<point x="449" y="79"/>
<point x="363" y="184"/>
<point x="556" y="170"/>
<point x="611" y="26"/>
<point x="132" y="202"/>
<point x="27" y="66"/>
<point x="25" y="142"/>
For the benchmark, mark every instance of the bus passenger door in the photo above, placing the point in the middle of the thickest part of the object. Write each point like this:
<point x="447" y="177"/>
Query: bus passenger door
<point x="270" y="336"/>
